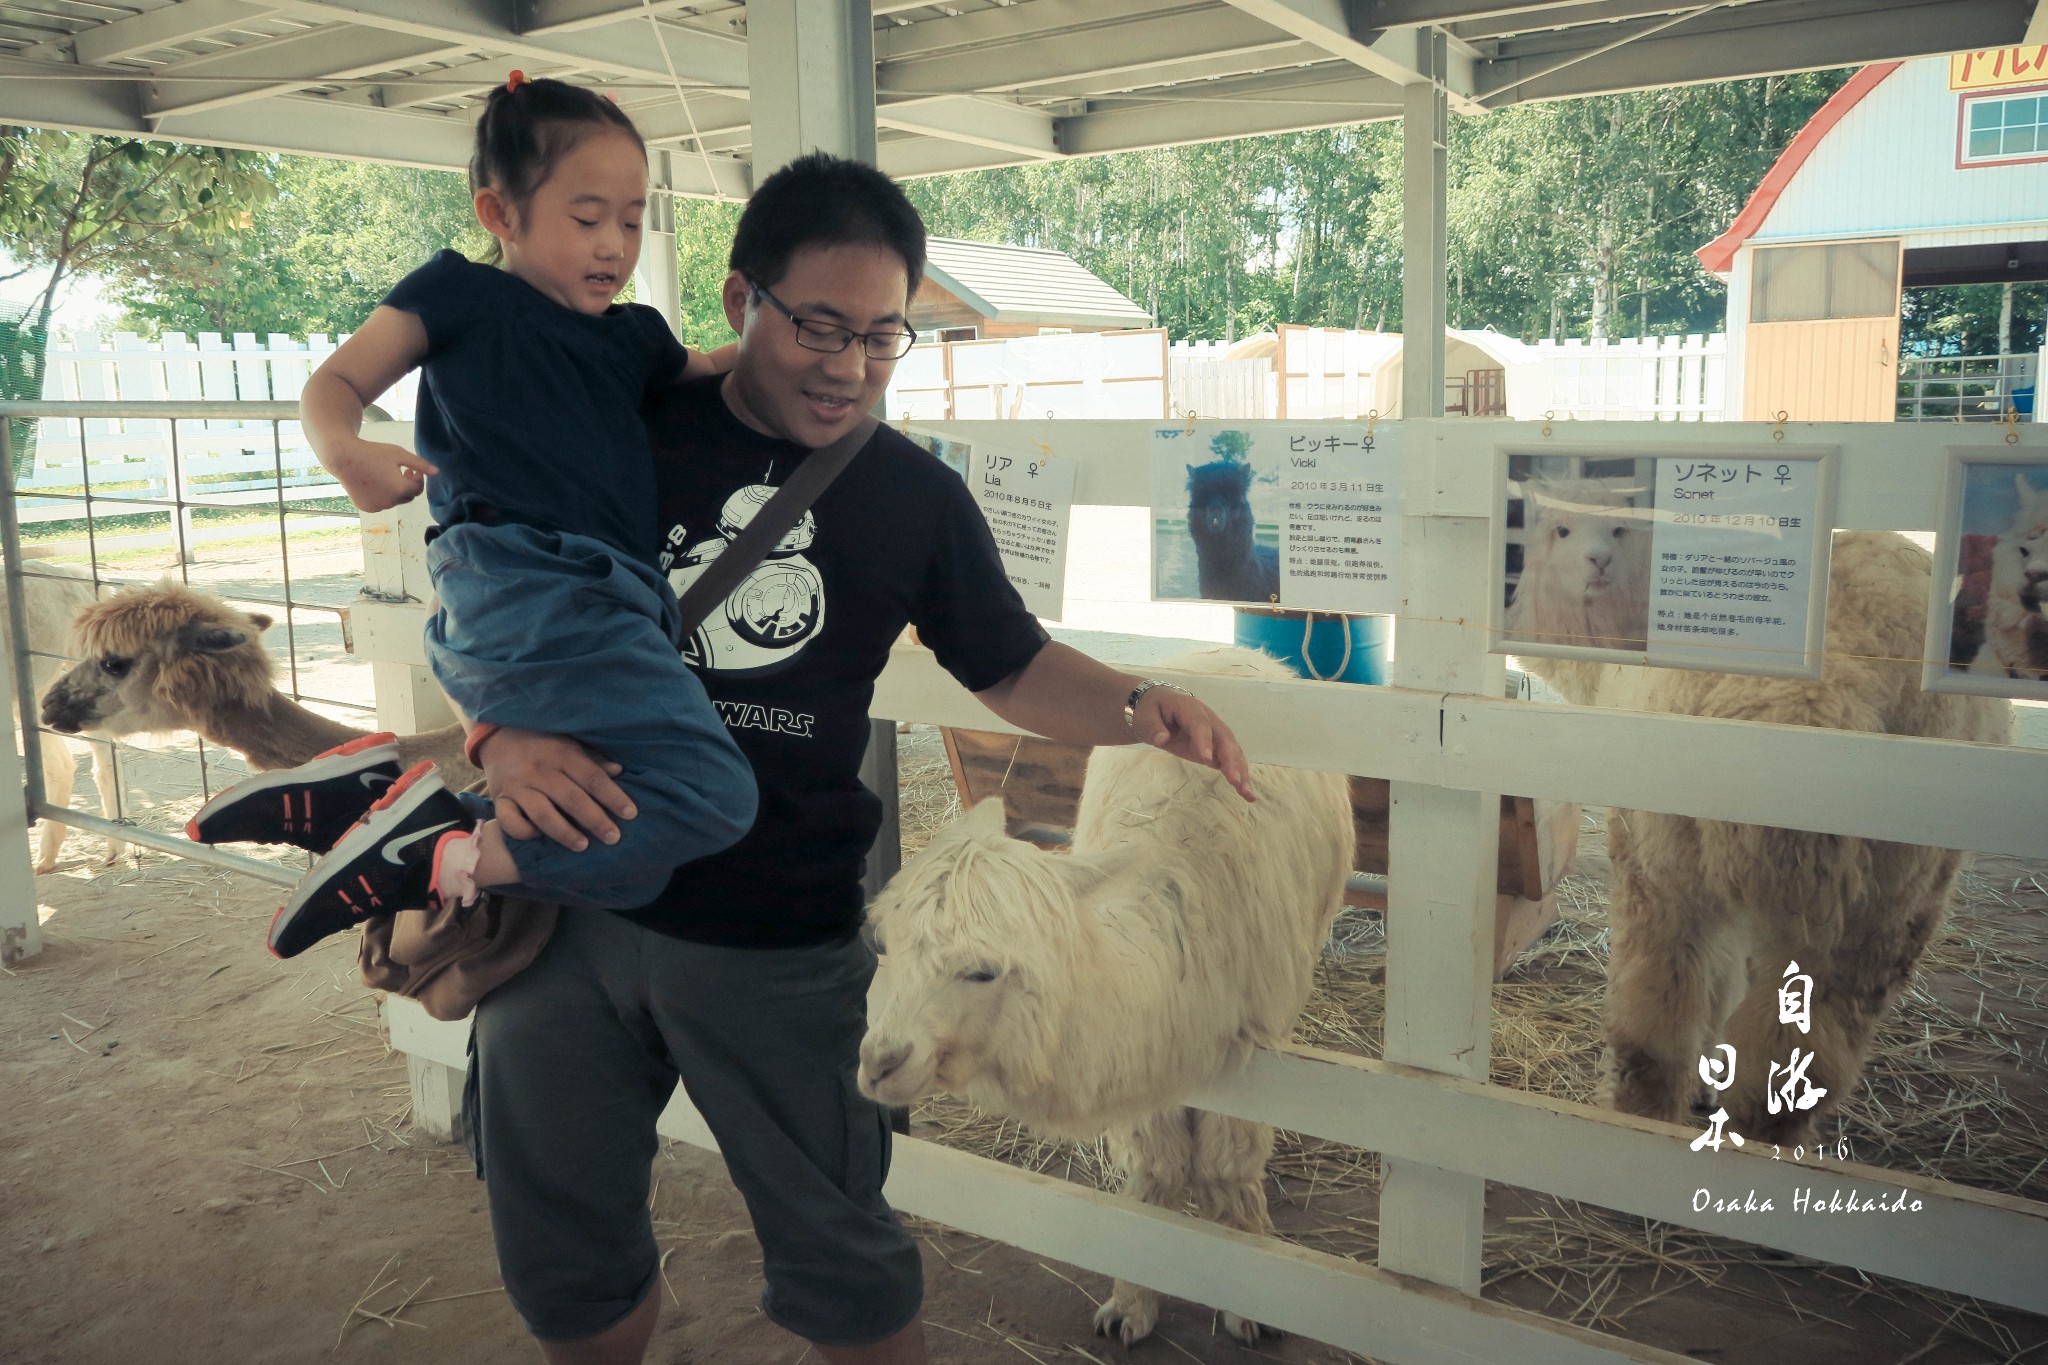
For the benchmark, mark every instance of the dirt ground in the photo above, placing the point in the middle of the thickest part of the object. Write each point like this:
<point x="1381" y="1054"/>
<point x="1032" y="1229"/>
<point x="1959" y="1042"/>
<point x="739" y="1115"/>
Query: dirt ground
<point x="205" y="1156"/>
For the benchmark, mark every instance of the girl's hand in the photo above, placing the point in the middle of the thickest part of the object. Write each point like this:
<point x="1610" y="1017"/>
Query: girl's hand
<point x="378" y="476"/>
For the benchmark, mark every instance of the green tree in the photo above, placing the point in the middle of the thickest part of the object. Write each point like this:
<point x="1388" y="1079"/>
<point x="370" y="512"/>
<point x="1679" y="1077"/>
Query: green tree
<point x="97" y="204"/>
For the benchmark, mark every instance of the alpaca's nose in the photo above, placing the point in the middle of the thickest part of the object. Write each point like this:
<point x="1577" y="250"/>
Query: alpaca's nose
<point x="881" y="1063"/>
<point x="1600" y="558"/>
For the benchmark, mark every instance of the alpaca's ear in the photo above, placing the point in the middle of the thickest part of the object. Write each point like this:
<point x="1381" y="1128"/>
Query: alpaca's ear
<point x="2027" y="492"/>
<point x="986" y="817"/>
<point x="211" y="639"/>
<point x="260" y="621"/>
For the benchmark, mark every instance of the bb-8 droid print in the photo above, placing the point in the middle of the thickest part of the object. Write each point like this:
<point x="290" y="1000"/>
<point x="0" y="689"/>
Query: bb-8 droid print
<point x="774" y="612"/>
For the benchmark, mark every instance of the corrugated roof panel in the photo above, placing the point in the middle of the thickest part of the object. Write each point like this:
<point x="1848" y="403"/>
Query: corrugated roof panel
<point x="1023" y="284"/>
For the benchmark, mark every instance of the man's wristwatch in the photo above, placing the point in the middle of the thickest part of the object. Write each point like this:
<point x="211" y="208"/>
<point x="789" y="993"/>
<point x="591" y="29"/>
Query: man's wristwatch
<point x="1137" y="694"/>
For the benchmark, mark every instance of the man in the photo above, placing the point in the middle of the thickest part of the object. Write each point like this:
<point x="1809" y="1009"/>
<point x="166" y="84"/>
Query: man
<point x="747" y="978"/>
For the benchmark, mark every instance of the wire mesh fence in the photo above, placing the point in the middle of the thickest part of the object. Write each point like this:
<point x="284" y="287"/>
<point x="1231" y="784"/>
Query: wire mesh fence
<point x="221" y="497"/>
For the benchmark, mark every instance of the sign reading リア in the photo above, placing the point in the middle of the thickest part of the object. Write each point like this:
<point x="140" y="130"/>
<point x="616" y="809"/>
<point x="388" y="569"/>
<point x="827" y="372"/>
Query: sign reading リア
<point x="1028" y="502"/>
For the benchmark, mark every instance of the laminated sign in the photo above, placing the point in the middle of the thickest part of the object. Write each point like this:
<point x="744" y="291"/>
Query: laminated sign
<point x="1305" y="516"/>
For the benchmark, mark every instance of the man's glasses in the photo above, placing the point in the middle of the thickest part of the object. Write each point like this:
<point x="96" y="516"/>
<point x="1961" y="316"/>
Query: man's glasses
<point x="831" y="338"/>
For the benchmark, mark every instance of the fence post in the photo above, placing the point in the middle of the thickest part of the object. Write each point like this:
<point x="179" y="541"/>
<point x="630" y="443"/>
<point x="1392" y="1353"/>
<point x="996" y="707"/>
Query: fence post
<point x="21" y="932"/>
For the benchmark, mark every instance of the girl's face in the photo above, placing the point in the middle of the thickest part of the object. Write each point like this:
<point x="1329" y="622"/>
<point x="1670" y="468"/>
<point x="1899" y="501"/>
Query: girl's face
<point x="578" y="239"/>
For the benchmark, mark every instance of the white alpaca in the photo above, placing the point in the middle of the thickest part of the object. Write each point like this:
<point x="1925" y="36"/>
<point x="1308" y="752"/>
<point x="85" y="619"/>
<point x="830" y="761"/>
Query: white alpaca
<point x="1585" y="567"/>
<point x="53" y="594"/>
<point x="1089" y="993"/>
<point x="1706" y="915"/>
<point x="2015" y="628"/>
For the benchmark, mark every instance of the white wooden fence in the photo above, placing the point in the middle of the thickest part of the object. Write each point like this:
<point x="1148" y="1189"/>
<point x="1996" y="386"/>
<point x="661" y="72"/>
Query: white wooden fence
<point x="1638" y="379"/>
<point x="1450" y="745"/>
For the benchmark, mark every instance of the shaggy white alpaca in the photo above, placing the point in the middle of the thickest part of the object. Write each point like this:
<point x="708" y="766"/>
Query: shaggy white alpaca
<point x="1706" y="915"/>
<point x="2015" y="626"/>
<point x="1585" y="567"/>
<point x="1089" y="993"/>
<point x="53" y="594"/>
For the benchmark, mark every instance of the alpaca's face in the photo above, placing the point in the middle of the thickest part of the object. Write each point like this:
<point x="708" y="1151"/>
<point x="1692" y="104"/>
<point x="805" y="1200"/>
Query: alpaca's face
<point x="1219" y="505"/>
<point x="956" y="992"/>
<point x="148" y="657"/>
<point x="1596" y="548"/>
<point x="2019" y="563"/>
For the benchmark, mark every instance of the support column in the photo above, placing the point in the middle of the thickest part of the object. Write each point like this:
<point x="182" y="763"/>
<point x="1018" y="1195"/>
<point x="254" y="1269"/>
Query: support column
<point x="811" y="69"/>
<point x="1442" y="855"/>
<point x="655" y="279"/>
<point x="21" y="932"/>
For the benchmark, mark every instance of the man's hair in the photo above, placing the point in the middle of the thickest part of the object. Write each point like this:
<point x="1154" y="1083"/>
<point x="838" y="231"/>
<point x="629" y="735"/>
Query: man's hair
<point x="824" y="200"/>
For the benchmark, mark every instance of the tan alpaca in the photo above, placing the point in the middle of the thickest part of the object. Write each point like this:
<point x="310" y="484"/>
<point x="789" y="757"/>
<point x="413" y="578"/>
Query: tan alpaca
<point x="52" y="594"/>
<point x="1707" y="914"/>
<point x="162" y="658"/>
<point x="1585" y="568"/>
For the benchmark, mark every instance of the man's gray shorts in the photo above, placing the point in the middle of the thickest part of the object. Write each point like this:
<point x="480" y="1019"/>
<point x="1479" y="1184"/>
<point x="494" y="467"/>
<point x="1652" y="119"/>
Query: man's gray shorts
<point x="578" y="1054"/>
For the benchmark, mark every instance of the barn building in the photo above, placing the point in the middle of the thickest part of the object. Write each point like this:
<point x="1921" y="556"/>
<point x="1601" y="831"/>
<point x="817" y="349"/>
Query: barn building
<point x="1917" y="173"/>
<point x="975" y="291"/>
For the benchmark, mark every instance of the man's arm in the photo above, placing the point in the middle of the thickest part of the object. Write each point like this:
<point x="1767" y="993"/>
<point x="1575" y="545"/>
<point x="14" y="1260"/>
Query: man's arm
<point x="1065" y="695"/>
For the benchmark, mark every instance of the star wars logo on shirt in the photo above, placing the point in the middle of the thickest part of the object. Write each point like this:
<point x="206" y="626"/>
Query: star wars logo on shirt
<point x="775" y="611"/>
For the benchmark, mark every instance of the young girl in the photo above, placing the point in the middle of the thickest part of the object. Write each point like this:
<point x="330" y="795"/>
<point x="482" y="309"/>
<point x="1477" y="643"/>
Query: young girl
<point x="552" y="614"/>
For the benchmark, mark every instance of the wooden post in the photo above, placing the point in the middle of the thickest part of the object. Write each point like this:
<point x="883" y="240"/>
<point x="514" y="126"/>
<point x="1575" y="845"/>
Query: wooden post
<point x="21" y="933"/>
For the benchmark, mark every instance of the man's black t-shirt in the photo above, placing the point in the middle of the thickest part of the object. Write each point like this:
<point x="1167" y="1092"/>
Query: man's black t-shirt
<point x="791" y="658"/>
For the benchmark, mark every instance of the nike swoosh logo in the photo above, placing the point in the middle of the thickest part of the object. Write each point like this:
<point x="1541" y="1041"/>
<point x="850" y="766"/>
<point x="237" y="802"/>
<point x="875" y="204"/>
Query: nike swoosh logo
<point x="375" y="781"/>
<point x="395" y="852"/>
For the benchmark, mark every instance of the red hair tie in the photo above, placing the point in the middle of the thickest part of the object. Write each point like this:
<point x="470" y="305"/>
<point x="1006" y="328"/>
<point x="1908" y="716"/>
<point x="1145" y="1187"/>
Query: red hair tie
<point x="514" y="81"/>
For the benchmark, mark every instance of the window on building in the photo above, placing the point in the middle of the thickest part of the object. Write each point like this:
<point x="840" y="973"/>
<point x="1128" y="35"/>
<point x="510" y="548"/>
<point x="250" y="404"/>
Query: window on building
<point x="2005" y="128"/>
<point x="1838" y="280"/>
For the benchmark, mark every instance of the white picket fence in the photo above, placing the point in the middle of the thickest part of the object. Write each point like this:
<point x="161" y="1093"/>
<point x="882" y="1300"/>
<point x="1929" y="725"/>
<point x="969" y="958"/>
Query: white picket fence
<point x="215" y="460"/>
<point x="1638" y="379"/>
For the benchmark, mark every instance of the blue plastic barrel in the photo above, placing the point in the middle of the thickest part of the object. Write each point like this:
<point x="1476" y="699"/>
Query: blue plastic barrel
<point x="1281" y="634"/>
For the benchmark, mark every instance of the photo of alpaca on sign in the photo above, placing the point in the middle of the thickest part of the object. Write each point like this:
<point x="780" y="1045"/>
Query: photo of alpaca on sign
<point x="1215" y="518"/>
<point x="1991" y="632"/>
<point x="1577" y="566"/>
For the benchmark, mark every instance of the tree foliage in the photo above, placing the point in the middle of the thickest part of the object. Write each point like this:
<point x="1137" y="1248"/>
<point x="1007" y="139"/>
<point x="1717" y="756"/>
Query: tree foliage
<point x="97" y="204"/>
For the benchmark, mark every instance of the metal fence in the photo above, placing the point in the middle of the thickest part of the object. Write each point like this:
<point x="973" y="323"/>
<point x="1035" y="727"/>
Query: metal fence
<point x="1967" y="388"/>
<point x="265" y="538"/>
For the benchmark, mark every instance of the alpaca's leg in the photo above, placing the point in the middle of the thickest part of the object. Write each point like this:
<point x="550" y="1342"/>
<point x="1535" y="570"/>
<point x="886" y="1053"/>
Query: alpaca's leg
<point x="1228" y="1184"/>
<point x="1675" y="953"/>
<point x="1156" y="1156"/>
<point x="107" y="780"/>
<point x="1858" y="972"/>
<point x="59" y="777"/>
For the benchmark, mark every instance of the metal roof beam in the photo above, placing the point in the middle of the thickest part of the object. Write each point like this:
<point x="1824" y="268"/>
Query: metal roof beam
<point x="1015" y="25"/>
<point x="448" y="83"/>
<point x="1806" y="36"/>
<point x="709" y="118"/>
<point x="913" y="158"/>
<point x="159" y="28"/>
<point x="49" y="96"/>
<point x="1105" y="49"/>
<point x="1532" y="13"/>
<point x="976" y="120"/>
<point x="1333" y="26"/>
<point x="699" y="57"/>
<point x="1585" y="12"/>
<point x="1250" y="112"/>
<point x="568" y="16"/>
<point x="255" y="70"/>
<point x="1287" y="55"/>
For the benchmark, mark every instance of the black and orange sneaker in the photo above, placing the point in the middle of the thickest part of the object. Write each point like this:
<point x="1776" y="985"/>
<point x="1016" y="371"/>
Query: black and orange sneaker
<point x="384" y="863"/>
<point x="309" y="806"/>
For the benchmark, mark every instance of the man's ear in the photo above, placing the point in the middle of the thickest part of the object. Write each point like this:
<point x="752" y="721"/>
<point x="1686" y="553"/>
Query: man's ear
<point x="736" y="295"/>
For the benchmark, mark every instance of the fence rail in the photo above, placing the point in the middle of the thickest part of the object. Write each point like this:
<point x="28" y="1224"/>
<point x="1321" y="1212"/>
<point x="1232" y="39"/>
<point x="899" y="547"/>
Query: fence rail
<point x="1967" y="388"/>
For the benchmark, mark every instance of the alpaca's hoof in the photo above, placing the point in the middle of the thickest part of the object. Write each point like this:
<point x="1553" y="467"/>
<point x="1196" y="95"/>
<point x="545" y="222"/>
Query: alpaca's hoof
<point x="1245" y="1330"/>
<point x="1128" y="1320"/>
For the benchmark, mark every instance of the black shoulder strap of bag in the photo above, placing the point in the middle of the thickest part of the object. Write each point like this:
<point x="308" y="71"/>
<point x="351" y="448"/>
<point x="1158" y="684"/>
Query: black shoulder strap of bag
<point x="771" y="523"/>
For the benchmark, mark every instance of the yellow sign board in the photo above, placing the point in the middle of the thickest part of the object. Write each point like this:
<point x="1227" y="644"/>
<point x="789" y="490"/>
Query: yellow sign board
<point x="1998" y="66"/>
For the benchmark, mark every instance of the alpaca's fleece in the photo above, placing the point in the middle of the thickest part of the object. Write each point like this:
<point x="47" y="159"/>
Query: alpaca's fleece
<point x="2015" y="628"/>
<point x="160" y="658"/>
<point x="1707" y="914"/>
<point x="1079" y="992"/>
<point x="1585" y="566"/>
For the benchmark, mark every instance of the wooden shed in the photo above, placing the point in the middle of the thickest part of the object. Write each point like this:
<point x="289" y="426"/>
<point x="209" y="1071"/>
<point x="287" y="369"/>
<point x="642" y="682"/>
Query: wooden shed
<point x="1918" y="173"/>
<point x="980" y="290"/>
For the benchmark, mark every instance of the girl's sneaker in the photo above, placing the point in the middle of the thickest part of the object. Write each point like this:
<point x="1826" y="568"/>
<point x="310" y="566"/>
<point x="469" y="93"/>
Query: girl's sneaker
<point x="385" y="863"/>
<point x="309" y="806"/>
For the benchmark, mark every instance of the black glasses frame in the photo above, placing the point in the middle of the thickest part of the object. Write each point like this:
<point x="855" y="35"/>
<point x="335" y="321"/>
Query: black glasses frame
<point x="900" y="341"/>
